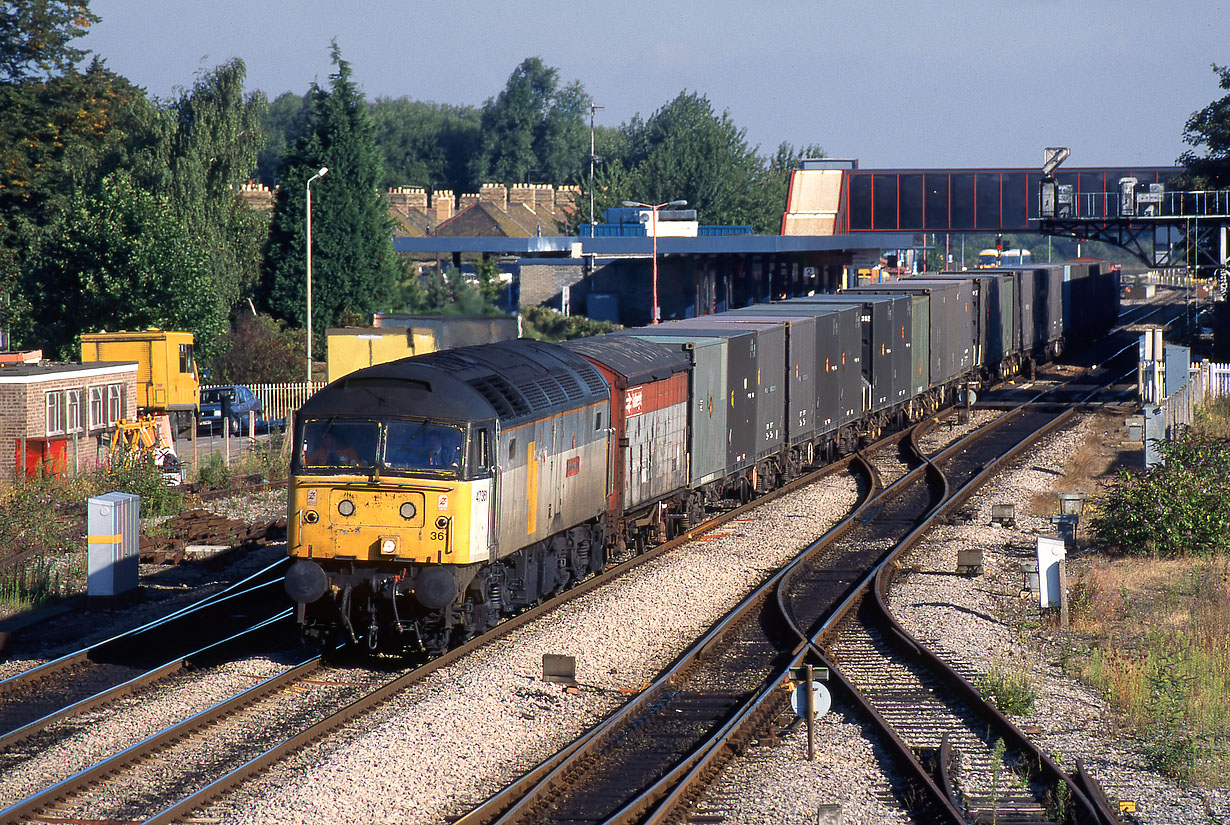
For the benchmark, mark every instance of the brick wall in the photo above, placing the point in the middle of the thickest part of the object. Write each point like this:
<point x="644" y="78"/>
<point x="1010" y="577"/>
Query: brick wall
<point x="23" y="412"/>
<point x="494" y="193"/>
<point x="409" y="197"/>
<point x="441" y="205"/>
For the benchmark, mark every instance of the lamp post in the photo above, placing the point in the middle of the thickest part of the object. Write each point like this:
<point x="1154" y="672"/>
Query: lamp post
<point x="324" y="170"/>
<point x="654" y="210"/>
<point x="592" y="157"/>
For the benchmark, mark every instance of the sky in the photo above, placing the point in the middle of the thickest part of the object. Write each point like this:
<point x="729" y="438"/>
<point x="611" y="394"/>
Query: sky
<point x="895" y="84"/>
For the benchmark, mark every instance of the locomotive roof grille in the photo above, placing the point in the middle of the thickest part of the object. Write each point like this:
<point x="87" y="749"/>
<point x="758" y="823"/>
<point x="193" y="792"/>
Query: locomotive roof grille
<point x="515" y="379"/>
<point x="535" y="395"/>
<point x="507" y="405"/>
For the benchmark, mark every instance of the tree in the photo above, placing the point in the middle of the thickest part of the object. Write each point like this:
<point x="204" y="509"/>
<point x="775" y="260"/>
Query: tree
<point x="1210" y="128"/>
<point x="118" y="258"/>
<point x="35" y="37"/>
<point x="354" y="268"/>
<point x="534" y="129"/>
<point x="258" y="350"/>
<point x="284" y="120"/>
<point x="208" y="142"/>
<point x="686" y="151"/>
<point x="426" y="144"/>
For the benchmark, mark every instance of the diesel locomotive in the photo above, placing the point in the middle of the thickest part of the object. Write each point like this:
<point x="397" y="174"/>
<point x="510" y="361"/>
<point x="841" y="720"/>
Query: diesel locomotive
<point x="431" y="497"/>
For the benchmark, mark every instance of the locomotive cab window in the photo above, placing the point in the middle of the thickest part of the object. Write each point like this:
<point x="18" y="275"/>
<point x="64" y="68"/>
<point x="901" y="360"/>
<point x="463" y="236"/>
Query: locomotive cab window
<point x="332" y="443"/>
<point x="424" y="446"/>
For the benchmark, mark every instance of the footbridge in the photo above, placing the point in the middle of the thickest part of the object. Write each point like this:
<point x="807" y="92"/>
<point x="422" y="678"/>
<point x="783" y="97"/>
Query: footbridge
<point x="1141" y="209"/>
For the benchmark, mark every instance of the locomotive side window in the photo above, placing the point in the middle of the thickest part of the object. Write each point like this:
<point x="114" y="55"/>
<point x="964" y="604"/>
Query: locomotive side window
<point x="480" y="450"/>
<point x="598" y="422"/>
<point x="332" y="443"/>
<point x="512" y="449"/>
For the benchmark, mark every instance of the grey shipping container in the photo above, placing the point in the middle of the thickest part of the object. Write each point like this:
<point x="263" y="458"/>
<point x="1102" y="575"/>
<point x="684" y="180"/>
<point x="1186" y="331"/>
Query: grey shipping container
<point x="800" y="380"/>
<point x="766" y="346"/>
<point x="738" y="398"/>
<point x="953" y="338"/>
<point x="991" y="314"/>
<point x="885" y="326"/>
<point x="919" y="344"/>
<point x="843" y="394"/>
<point x="708" y="430"/>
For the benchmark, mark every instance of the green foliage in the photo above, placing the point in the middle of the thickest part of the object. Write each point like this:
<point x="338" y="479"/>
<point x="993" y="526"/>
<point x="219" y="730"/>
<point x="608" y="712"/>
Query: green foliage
<point x="354" y="269"/>
<point x="1010" y="689"/>
<point x="207" y="147"/>
<point x="534" y="130"/>
<point x="31" y="584"/>
<point x="117" y="258"/>
<point x="544" y="324"/>
<point x="685" y="151"/>
<point x="258" y="349"/>
<point x="35" y="37"/>
<point x="283" y="121"/>
<point x="454" y="293"/>
<point x="1209" y="129"/>
<point x="1179" y="507"/>
<point x="214" y="473"/>
<point x="57" y="137"/>
<point x="29" y="511"/>
<point x="268" y="458"/>
<point x="427" y="144"/>
<point x="141" y="478"/>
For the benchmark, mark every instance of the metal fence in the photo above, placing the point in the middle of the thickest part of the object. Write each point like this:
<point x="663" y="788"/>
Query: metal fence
<point x="280" y="400"/>
<point x="278" y="404"/>
<point x="1207" y="382"/>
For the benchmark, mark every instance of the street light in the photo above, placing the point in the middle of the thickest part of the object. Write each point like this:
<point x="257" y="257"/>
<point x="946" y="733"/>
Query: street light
<point x="654" y="209"/>
<point x="324" y="170"/>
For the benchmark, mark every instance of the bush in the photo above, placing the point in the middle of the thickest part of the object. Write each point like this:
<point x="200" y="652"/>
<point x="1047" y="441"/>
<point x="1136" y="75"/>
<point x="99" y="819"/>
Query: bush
<point x="548" y="325"/>
<point x="1178" y="507"/>
<point x="214" y="474"/>
<point x="266" y="458"/>
<point x="141" y="478"/>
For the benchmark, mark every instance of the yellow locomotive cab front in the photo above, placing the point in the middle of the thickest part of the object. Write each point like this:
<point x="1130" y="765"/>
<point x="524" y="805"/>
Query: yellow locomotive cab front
<point x="395" y="519"/>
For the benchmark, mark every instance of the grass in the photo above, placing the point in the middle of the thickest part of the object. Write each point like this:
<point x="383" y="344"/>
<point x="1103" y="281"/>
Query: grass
<point x="1160" y="634"/>
<point x="30" y="585"/>
<point x="1009" y="688"/>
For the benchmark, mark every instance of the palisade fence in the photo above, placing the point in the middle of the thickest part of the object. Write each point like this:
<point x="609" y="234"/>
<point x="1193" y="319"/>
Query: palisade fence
<point x="279" y="402"/>
<point x="1207" y="383"/>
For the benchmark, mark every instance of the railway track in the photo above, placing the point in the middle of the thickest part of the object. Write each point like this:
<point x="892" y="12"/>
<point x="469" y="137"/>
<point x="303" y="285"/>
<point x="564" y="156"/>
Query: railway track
<point x="265" y="741"/>
<point x="307" y="730"/>
<point x="250" y="614"/>
<point x="645" y="762"/>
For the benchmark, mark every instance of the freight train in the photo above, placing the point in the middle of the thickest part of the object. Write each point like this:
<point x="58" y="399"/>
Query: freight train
<point x="430" y="497"/>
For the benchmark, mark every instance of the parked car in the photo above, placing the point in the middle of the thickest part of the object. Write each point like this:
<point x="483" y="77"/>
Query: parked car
<point x="239" y="402"/>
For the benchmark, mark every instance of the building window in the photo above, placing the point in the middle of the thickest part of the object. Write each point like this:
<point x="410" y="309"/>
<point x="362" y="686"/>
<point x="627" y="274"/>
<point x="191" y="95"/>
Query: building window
<point x="106" y="406"/>
<point x="73" y="401"/>
<point x="57" y="413"/>
<point x="97" y="419"/>
<point x="115" y="403"/>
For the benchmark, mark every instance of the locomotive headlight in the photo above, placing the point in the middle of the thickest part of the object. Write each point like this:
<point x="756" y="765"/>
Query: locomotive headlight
<point x="441" y="522"/>
<point x="311" y="517"/>
<point x="388" y="545"/>
<point x="408" y="511"/>
<point x="346" y="507"/>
